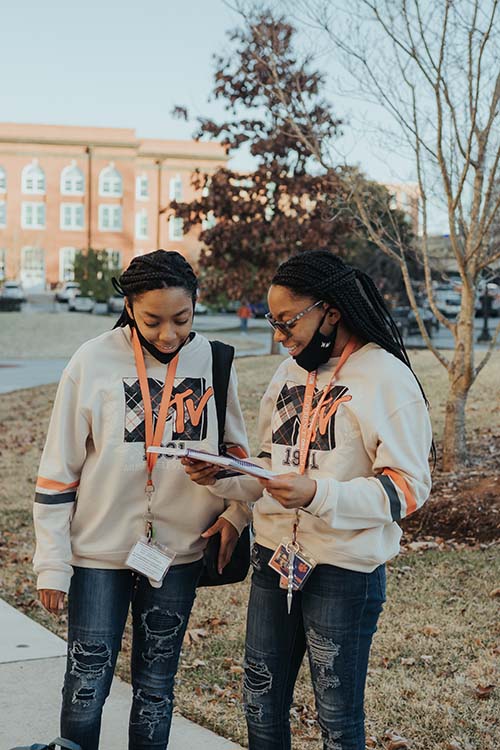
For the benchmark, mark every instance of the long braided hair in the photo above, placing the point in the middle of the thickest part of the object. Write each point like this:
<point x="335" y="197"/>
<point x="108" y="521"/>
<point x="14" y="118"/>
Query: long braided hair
<point x="160" y="269"/>
<point x="323" y="276"/>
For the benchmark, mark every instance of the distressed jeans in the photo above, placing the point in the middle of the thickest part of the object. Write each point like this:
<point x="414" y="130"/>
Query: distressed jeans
<point x="98" y="606"/>
<point x="333" y="618"/>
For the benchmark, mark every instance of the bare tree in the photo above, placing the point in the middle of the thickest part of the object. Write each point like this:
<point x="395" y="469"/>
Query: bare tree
<point x="434" y="67"/>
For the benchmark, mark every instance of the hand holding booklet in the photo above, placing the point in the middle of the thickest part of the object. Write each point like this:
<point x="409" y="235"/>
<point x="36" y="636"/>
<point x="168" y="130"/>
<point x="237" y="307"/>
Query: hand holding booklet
<point x="239" y="465"/>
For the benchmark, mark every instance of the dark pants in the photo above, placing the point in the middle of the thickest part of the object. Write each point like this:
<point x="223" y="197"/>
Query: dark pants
<point x="334" y="618"/>
<point x="99" y="601"/>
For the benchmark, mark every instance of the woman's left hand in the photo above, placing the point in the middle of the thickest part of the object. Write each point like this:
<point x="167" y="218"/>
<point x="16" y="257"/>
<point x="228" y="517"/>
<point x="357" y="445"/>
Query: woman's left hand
<point x="291" y="490"/>
<point x="228" y="538"/>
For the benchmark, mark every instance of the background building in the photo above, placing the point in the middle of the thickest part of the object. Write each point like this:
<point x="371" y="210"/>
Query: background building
<point x="406" y="197"/>
<point x="64" y="189"/>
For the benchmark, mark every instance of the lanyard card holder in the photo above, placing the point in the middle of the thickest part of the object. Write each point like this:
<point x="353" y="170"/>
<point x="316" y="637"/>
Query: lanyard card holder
<point x="303" y="565"/>
<point x="151" y="560"/>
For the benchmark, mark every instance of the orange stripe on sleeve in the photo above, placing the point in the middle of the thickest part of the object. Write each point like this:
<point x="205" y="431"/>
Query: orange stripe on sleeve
<point x="402" y="484"/>
<point x="51" y="484"/>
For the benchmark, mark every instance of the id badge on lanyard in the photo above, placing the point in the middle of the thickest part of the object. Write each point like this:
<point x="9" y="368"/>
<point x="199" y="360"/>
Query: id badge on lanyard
<point x="147" y="556"/>
<point x="290" y="560"/>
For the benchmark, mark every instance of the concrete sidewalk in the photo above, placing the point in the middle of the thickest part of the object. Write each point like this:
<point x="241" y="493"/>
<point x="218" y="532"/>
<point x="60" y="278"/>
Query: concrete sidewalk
<point x="32" y="663"/>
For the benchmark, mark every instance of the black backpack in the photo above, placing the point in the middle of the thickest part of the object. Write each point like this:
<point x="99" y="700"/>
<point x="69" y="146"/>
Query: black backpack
<point x="237" y="568"/>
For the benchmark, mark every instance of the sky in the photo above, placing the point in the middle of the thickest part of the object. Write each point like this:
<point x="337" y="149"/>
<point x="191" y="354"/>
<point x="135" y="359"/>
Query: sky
<point x="127" y="64"/>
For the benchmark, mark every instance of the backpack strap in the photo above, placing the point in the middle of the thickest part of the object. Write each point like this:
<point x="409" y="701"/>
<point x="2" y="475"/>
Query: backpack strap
<point x="63" y="744"/>
<point x="222" y="360"/>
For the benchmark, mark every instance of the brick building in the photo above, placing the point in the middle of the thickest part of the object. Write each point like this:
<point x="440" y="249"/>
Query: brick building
<point x="64" y="188"/>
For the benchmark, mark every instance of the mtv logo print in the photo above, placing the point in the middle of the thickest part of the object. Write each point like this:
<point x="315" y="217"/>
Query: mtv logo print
<point x="186" y="416"/>
<point x="286" y="417"/>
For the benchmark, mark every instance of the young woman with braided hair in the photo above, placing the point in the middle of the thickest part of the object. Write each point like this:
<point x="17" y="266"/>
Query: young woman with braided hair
<point x="109" y="516"/>
<point x="344" y="423"/>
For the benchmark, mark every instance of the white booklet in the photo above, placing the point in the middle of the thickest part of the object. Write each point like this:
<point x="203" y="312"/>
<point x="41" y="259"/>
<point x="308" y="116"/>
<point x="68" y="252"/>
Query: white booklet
<point x="227" y="462"/>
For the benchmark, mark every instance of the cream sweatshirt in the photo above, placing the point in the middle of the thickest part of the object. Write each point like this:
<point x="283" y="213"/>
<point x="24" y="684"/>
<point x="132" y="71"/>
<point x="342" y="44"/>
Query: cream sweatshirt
<point x="90" y="498"/>
<point x="369" y="458"/>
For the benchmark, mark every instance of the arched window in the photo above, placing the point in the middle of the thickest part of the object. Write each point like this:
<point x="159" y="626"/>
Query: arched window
<point x="72" y="180"/>
<point x="110" y="182"/>
<point x="33" y="179"/>
<point x="141" y="187"/>
<point x="3" y="180"/>
<point x="176" y="188"/>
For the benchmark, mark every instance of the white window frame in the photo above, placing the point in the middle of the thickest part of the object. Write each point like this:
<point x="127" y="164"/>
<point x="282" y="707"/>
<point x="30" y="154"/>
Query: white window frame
<point x="72" y="180"/>
<point x="3" y="214"/>
<point x="175" y="228"/>
<point x="141" y="225"/>
<point x="110" y="182"/>
<point x="114" y="255"/>
<point x="115" y="217"/>
<point x="35" y="209"/>
<point x="76" y="213"/>
<point x="67" y="263"/>
<point x="33" y="179"/>
<point x="142" y="187"/>
<point x="3" y="180"/>
<point x="3" y="263"/>
<point x="176" y="188"/>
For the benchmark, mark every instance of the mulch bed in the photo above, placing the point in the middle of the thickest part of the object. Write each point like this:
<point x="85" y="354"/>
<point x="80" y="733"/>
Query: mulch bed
<point x="464" y="505"/>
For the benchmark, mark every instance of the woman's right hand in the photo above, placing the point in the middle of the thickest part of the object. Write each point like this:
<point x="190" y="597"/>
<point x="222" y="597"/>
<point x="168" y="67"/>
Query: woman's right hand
<point x="52" y="600"/>
<point x="200" y="471"/>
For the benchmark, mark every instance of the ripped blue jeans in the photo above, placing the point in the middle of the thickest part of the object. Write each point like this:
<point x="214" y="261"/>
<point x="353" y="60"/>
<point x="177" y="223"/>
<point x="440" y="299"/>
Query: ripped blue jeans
<point x="333" y="618"/>
<point x="98" y="606"/>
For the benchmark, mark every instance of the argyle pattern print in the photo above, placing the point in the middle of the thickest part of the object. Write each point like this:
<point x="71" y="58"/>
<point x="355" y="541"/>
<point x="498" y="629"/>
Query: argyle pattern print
<point x="286" y="417"/>
<point x="135" y="431"/>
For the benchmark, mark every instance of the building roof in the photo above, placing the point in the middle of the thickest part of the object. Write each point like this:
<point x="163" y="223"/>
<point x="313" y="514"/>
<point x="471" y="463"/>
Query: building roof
<point x="11" y="132"/>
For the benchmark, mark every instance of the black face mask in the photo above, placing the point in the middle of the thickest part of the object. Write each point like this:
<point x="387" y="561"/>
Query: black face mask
<point x="162" y="357"/>
<point x="318" y="350"/>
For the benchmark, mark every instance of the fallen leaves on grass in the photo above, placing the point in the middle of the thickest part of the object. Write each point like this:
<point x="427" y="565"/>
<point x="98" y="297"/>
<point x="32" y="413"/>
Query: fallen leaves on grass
<point x="431" y="630"/>
<point x="194" y="635"/>
<point x="483" y="692"/>
<point x="394" y="741"/>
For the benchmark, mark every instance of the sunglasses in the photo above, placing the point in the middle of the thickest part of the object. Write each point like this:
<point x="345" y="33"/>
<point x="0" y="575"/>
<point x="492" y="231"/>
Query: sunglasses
<point x="285" y="327"/>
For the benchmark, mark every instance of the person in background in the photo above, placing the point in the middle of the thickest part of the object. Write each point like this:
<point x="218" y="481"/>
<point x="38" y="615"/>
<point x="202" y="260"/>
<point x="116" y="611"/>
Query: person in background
<point x="244" y="313"/>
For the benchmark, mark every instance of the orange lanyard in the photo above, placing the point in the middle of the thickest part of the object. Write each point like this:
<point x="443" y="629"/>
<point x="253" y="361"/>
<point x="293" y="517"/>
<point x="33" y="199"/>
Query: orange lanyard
<point x="156" y="438"/>
<point x="308" y="425"/>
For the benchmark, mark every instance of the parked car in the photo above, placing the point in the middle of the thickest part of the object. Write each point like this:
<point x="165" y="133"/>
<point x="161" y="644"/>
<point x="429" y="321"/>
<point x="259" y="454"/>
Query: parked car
<point x="448" y="300"/>
<point x="406" y="320"/>
<point x="231" y="307"/>
<point x="81" y="303"/>
<point x="430" y="321"/>
<point x="493" y="299"/>
<point x="400" y="316"/>
<point x="67" y="291"/>
<point x="200" y="309"/>
<point x="116" y="303"/>
<point x="13" y="290"/>
<point x="259" y="309"/>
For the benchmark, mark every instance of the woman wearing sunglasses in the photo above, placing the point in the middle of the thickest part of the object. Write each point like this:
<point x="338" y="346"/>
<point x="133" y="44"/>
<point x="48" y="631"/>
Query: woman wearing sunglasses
<point x="345" y="425"/>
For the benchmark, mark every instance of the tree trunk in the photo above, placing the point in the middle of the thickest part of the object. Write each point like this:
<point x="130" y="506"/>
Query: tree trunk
<point x="461" y="378"/>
